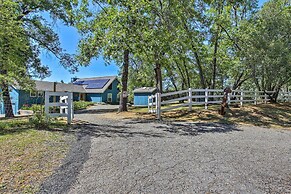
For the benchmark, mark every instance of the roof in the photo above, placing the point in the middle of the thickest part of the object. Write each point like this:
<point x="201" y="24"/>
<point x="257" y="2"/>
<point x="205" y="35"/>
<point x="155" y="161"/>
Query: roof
<point x="95" y="84"/>
<point x="60" y="87"/>
<point x="145" y="90"/>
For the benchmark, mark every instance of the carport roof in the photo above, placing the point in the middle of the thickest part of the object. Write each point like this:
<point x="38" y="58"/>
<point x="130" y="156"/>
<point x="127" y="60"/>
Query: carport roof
<point x="144" y="90"/>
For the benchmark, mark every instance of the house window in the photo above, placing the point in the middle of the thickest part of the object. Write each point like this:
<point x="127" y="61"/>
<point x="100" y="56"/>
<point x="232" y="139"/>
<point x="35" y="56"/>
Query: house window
<point x="109" y="97"/>
<point x="40" y="94"/>
<point x="32" y="94"/>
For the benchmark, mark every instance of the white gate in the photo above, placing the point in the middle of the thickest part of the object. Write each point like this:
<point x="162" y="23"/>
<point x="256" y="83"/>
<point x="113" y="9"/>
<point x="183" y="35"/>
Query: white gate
<point x="65" y="103"/>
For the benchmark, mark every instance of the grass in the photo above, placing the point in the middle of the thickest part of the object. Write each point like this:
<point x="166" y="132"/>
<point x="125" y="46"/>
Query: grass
<point x="264" y="115"/>
<point x="28" y="156"/>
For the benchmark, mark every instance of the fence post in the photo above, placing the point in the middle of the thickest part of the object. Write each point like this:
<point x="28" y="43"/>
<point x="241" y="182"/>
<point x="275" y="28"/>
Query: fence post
<point x="46" y="102"/>
<point x="265" y="98"/>
<point x="158" y="102"/>
<point x="70" y="111"/>
<point x="190" y="99"/>
<point x="256" y="96"/>
<point x="228" y="98"/>
<point x="149" y="104"/>
<point x="206" y="98"/>
<point x="241" y="97"/>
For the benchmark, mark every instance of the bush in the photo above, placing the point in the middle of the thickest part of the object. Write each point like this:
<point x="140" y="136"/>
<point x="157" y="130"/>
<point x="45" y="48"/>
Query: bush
<point x="79" y="105"/>
<point x="34" y="107"/>
<point x="40" y="121"/>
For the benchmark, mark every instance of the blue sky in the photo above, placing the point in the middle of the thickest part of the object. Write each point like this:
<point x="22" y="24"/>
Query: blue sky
<point x="69" y="40"/>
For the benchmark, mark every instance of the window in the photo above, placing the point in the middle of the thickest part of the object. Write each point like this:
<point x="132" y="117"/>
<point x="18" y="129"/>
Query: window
<point x="32" y="94"/>
<point x="40" y="94"/>
<point x="109" y="97"/>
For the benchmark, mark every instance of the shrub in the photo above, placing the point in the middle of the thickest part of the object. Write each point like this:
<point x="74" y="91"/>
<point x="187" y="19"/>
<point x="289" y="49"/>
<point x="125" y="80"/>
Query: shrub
<point x="79" y="105"/>
<point x="40" y="121"/>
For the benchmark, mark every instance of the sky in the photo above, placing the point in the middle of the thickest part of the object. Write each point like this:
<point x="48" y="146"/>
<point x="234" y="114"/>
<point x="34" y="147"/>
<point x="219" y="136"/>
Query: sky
<point x="69" y="38"/>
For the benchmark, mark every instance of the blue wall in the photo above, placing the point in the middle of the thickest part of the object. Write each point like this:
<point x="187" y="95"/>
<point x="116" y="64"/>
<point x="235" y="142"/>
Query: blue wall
<point x="141" y="99"/>
<point x="26" y="99"/>
<point x="14" y="96"/>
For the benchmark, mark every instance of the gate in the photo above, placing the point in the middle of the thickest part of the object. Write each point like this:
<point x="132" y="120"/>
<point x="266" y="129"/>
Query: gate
<point x="65" y="104"/>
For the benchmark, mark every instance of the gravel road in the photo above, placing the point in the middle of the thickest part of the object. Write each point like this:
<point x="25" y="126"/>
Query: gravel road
<point x="134" y="156"/>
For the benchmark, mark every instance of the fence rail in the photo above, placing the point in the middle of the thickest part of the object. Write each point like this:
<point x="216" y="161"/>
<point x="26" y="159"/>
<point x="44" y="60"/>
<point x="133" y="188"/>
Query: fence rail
<point x="174" y="100"/>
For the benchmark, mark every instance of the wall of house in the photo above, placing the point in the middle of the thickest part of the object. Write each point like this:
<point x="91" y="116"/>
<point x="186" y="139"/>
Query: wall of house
<point x="141" y="99"/>
<point x="25" y="99"/>
<point x="14" y="96"/>
<point x="76" y="96"/>
<point x="114" y="91"/>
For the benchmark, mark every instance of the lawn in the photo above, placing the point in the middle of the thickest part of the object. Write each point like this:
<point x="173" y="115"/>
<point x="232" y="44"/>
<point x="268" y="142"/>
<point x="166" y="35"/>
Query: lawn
<point x="27" y="155"/>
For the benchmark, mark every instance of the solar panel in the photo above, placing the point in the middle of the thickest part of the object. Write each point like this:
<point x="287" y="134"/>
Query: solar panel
<point x="96" y="84"/>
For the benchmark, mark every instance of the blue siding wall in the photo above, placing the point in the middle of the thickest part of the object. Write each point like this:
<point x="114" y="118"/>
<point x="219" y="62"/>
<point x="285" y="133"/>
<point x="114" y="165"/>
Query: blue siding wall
<point x="26" y="99"/>
<point x="114" y="91"/>
<point x="141" y="99"/>
<point x="14" y="95"/>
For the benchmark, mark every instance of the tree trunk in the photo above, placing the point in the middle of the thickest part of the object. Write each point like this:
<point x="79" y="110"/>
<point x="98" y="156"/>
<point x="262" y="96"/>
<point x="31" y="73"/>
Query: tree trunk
<point x="214" y="62"/>
<point x="124" y="79"/>
<point x="201" y="73"/>
<point x="158" y="75"/>
<point x="7" y="101"/>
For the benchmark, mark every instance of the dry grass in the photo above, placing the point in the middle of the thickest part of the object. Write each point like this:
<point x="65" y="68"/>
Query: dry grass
<point x="266" y="115"/>
<point x="28" y="156"/>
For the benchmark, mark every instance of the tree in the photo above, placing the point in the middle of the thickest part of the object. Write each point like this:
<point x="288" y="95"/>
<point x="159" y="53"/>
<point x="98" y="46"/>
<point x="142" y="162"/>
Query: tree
<point x="267" y="45"/>
<point x="23" y="34"/>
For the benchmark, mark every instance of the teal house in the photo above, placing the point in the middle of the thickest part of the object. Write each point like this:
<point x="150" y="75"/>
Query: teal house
<point x="141" y="95"/>
<point x="97" y="89"/>
<point x="100" y="89"/>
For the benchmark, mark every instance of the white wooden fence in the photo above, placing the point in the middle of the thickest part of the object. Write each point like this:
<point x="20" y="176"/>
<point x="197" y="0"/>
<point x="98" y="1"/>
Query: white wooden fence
<point x="174" y="100"/>
<point x="65" y="103"/>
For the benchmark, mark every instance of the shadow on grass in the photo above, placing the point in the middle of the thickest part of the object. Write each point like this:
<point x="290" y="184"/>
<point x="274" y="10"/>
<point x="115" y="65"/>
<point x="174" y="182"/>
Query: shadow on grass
<point x="264" y="115"/>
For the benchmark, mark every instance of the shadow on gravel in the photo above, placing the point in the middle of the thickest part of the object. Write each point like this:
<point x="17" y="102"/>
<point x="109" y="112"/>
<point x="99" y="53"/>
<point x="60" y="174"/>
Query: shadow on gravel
<point x="188" y="128"/>
<point x="66" y="175"/>
<point x="193" y="129"/>
<point x="102" y="130"/>
<point x="95" y="111"/>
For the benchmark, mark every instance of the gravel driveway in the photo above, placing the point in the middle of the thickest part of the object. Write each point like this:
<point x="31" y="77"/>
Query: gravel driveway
<point x="134" y="156"/>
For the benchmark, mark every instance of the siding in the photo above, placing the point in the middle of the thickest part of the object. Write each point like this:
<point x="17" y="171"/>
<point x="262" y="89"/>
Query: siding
<point x="114" y="91"/>
<point x="26" y="99"/>
<point x="14" y="96"/>
<point x="141" y="99"/>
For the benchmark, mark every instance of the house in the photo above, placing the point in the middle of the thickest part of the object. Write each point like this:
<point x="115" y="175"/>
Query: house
<point x="141" y="95"/>
<point x="100" y="89"/>
<point x="20" y="98"/>
<point x="97" y="89"/>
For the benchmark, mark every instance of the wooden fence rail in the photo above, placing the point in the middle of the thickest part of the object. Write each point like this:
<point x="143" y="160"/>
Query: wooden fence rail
<point x="190" y="97"/>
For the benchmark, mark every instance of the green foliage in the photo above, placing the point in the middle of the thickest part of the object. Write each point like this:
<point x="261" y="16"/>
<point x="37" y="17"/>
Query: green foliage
<point x="40" y="121"/>
<point x="35" y="108"/>
<point x="79" y="105"/>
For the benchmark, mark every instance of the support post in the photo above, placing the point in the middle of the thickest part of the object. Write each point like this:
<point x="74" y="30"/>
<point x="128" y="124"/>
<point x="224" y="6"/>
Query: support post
<point x="190" y="99"/>
<point x="206" y="98"/>
<point x="149" y="103"/>
<point x="228" y="98"/>
<point x="241" y="98"/>
<point x="265" y="98"/>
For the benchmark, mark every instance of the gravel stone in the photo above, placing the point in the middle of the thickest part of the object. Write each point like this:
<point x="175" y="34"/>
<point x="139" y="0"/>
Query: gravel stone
<point x="133" y="156"/>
